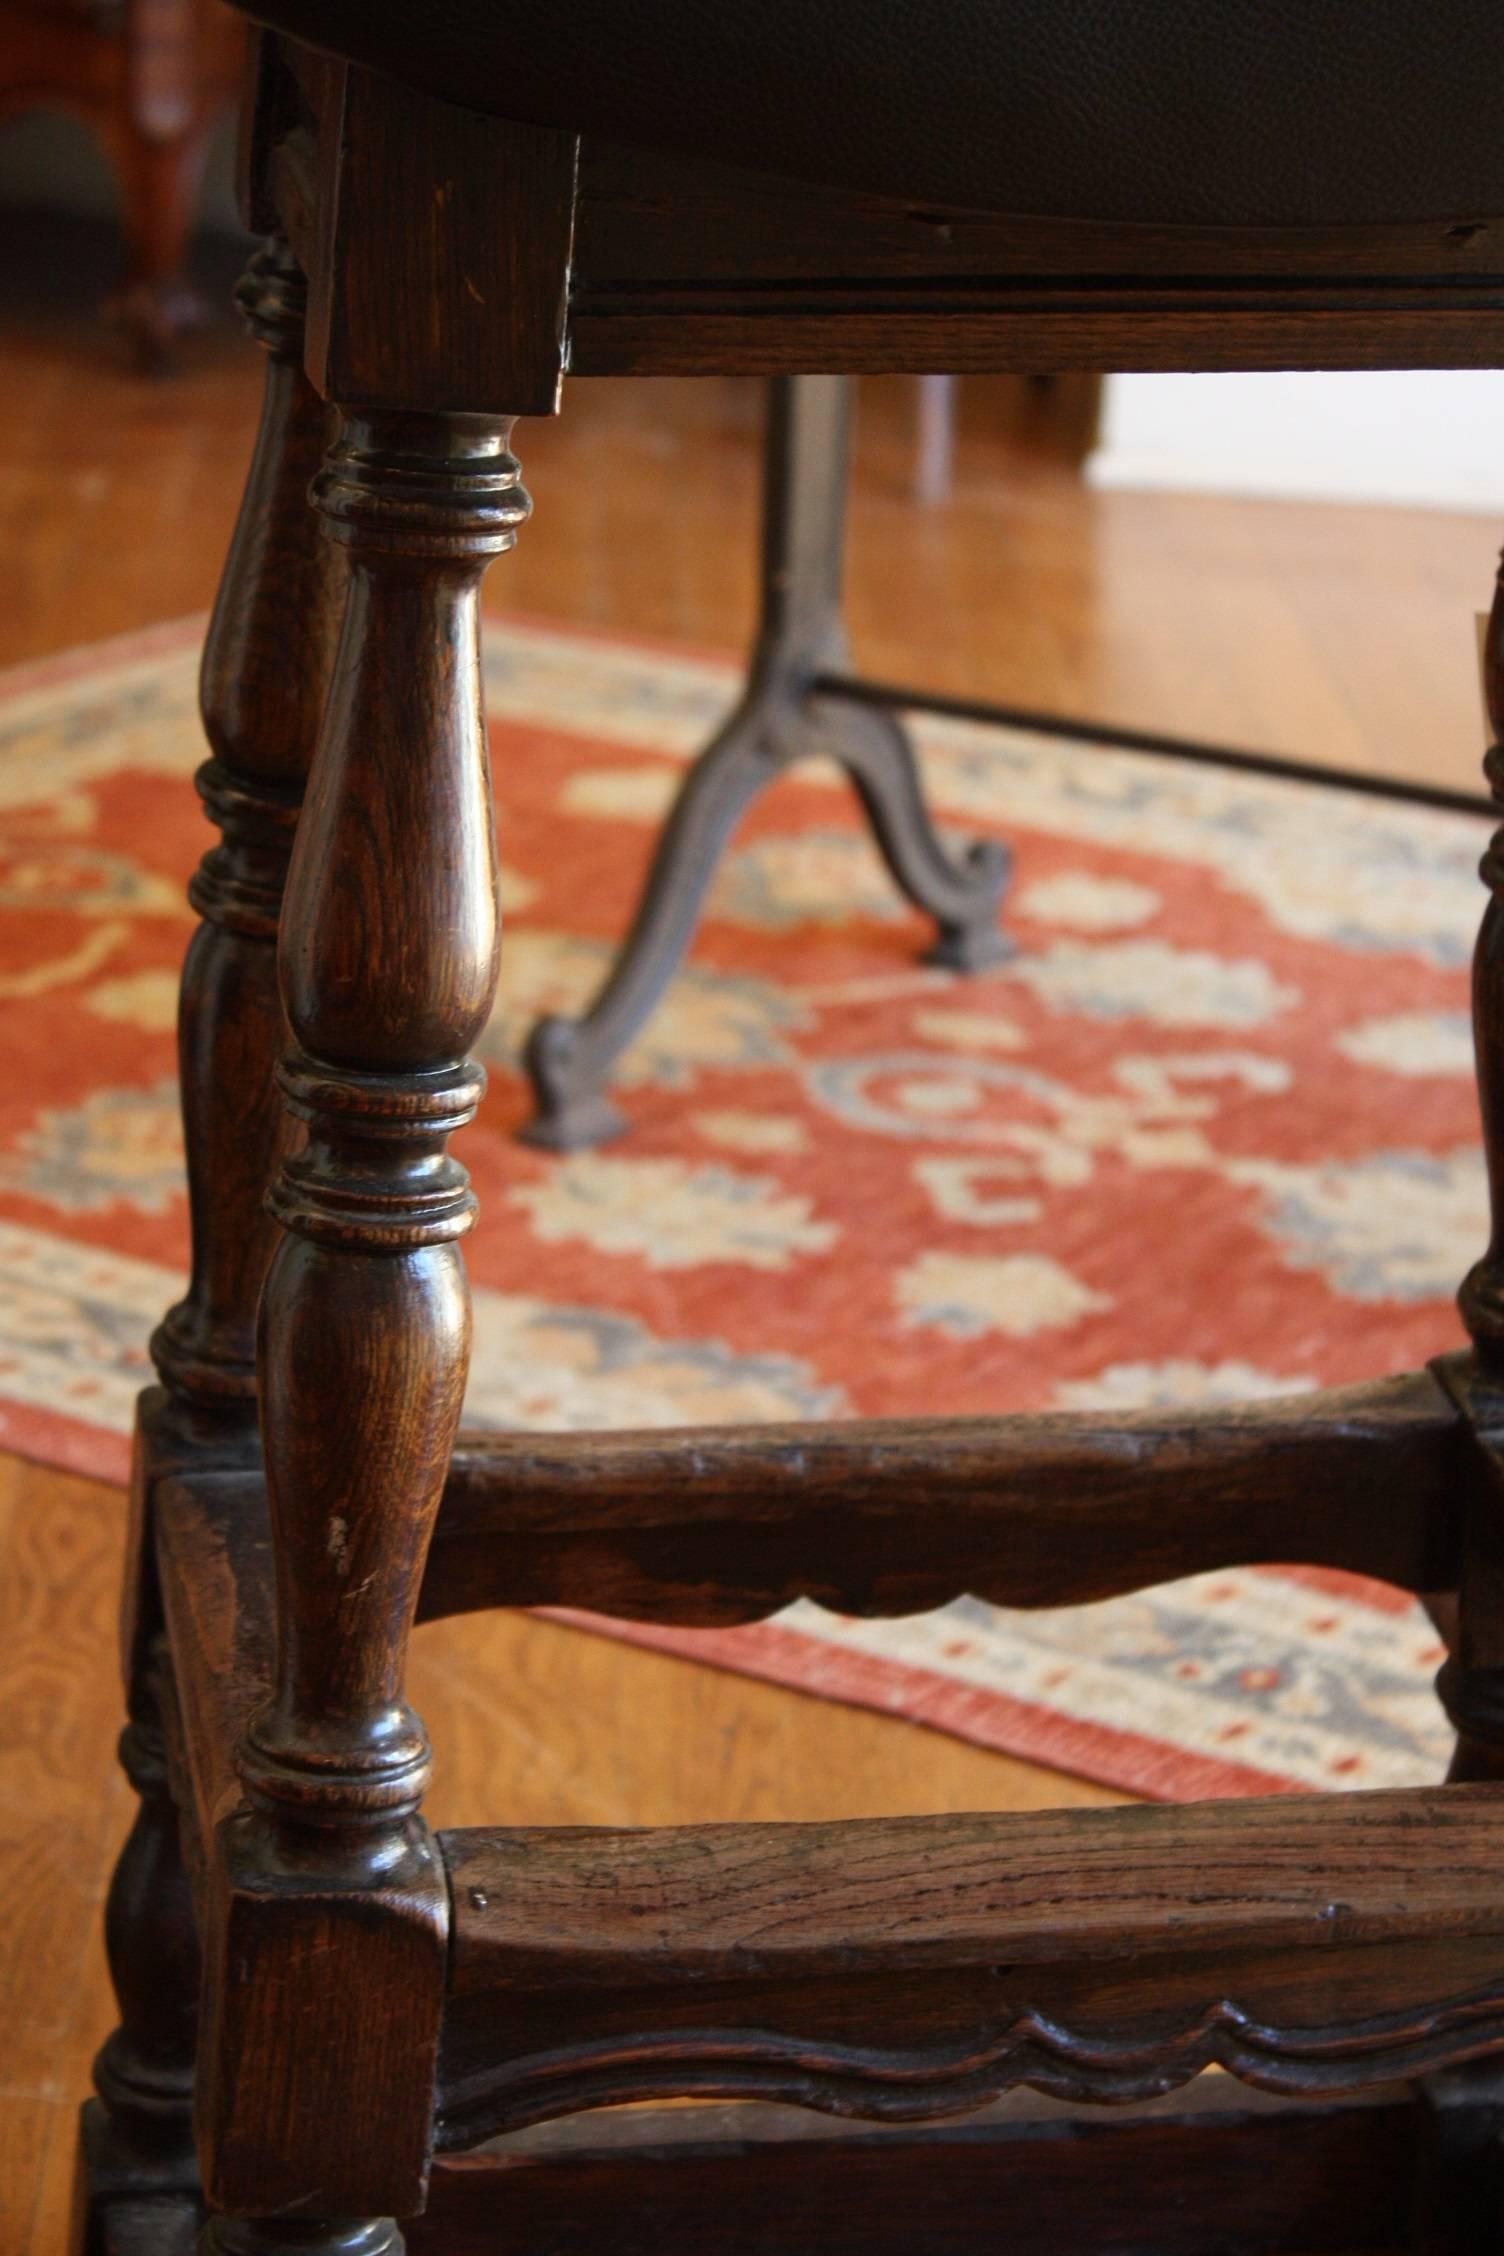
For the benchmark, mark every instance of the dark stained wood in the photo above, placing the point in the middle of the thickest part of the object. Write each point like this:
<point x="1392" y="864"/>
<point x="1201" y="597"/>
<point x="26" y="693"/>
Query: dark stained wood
<point x="866" y="283"/>
<point x="298" y="1923"/>
<point x="915" y="1967"/>
<point x="889" y="1516"/>
<point x="1459" y="2179"/>
<point x="214" y="1557"/>
<point x="1018" y="332"/>
<point x="686" y="268"/>
<point x="878" y="1516"/>
<point x="288" y="1925"/>
<point x="122" y="2208"/>
<point x="138" y="2135"/>
<point x="317" y="2045"/>
<point x="272" y="110"/>
<point x="645" y="1931"/>
<point x="388" y="964"/>
<point x="1482" y="1296"/>
<point x="144" y="2072"/>
<point x="1116" y="607"/>
<point x="647" y="218"/>
<point x="1278" y="2177"/>
<point x="214" y="1547"/>
<point x="1472" y="1680"/>
<point x="265" y="674"/>
<point x="388" y="970"/>
<point x="596" y="1908"/>
<point x="484" y="269"/>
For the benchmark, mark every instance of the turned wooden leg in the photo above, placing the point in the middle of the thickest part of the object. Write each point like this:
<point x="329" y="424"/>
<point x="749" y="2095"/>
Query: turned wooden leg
<point x="266" y="663"/>
<point x="265" y="675"/>
<point x="317" y="2067"/>
<point x="1472" y="1681"/>
<point x="1458" y="2200"/>
<point x="137" y="2162"/>
<point x="1460" y="2190"/>
<point x="781" y="718"/>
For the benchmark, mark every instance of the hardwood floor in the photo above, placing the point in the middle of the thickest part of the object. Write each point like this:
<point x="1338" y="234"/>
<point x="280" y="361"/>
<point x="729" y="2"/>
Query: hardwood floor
<point x="1338" y="634"/>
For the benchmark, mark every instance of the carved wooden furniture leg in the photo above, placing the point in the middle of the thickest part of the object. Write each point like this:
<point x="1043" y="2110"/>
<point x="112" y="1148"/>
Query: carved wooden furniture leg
<point x="388" y="955"/>
<point x="1463" y="2184"/>
<point x="265" y="675"/>
<point x="265" y="668"/>
<point x="782" y="717"/>
<point x="1472" y="1682"/>
<point x="137" y="2137"/>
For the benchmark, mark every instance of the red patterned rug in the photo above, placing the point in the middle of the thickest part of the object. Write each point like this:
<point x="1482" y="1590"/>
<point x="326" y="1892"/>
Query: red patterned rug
<point x="1210" y="1133"/>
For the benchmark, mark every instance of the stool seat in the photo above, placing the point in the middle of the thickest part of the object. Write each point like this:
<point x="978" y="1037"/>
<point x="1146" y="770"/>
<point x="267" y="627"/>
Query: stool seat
<point x="1310" y="112"/>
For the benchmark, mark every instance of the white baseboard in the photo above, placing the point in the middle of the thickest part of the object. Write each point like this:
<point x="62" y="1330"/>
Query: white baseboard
<point x="1411" y="438"/>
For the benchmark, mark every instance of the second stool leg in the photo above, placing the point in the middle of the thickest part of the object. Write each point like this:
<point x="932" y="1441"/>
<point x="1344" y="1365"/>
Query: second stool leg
<point x="265" y="673"/>
<point x="1459" y="2207"/>
<point x="137" y="2161"/>
<point x="1472" y="1683"/>
<point x="265" y="668"/>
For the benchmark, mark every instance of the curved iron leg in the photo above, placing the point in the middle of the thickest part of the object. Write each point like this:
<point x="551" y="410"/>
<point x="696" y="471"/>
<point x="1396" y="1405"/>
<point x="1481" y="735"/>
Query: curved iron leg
<point x="962" y="896"/>
<point x="569" y="1060"/>
<point x="782" y="718"/>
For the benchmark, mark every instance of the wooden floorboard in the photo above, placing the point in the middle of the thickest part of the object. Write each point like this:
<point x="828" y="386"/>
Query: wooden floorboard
<point x="1331" y="633"/>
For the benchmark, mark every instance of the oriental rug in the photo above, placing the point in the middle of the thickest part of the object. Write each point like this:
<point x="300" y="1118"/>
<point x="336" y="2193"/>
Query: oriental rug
<point x="1209" y="1133"/>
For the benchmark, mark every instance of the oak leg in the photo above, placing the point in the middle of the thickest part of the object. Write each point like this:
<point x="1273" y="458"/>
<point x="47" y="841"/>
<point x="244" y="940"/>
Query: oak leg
<point x="137" y="2167"/>
<point x="782" y="718"/>
<point x="265" y="675"/>
<point x="1472" y="1681"/>
<point x="266" y="663"/>
<point x="1459" y="2180"/>
<point x="1460" y="2193"/>
<point x="329" y="1887"/>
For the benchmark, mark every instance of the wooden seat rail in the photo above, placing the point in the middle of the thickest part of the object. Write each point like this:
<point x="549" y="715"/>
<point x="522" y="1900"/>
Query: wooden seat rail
<point x="892" y="1516"/>
<point x="915" y="1967"/>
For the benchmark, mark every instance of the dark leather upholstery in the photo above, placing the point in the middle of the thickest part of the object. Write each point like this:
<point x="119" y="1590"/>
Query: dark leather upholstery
<point x="1213" y="111"/>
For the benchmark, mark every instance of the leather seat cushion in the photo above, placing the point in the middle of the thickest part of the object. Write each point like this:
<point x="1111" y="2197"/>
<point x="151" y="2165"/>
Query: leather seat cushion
<point x="1219" y="112"/>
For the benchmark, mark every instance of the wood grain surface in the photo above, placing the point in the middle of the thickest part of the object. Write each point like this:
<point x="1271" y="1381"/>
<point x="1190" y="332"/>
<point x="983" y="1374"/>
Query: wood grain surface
<point x="896" y="1515"/>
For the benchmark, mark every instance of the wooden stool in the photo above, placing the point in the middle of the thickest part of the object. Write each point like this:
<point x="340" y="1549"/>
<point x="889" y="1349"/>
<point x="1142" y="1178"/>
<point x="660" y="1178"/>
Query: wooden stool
<point x="377" y="2001"/>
